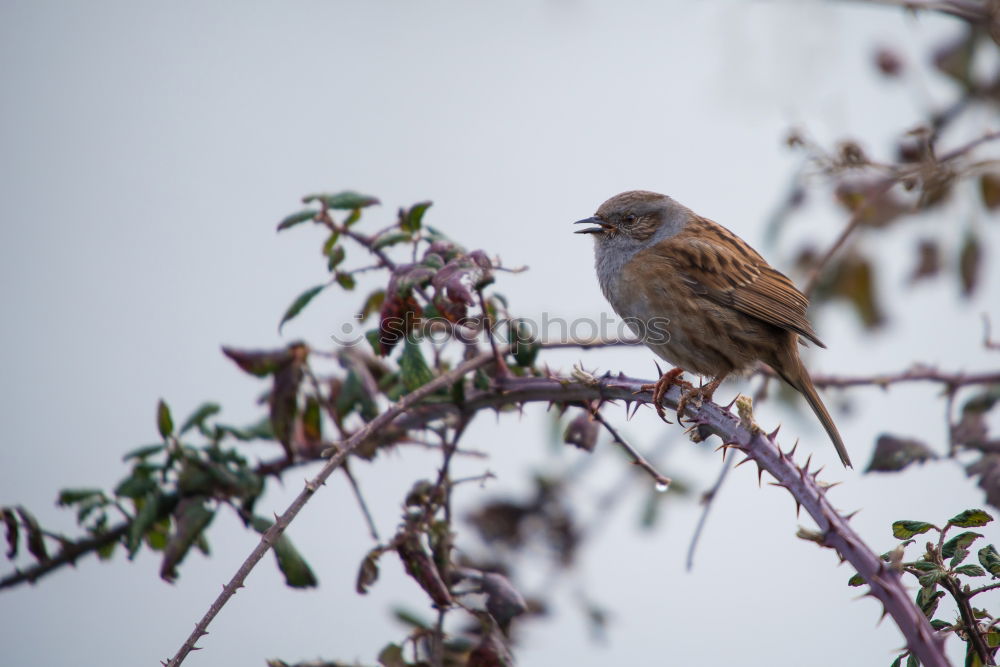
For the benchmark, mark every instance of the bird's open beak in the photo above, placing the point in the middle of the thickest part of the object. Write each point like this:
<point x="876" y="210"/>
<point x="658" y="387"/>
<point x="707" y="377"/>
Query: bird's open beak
<point x="601" y="226"/>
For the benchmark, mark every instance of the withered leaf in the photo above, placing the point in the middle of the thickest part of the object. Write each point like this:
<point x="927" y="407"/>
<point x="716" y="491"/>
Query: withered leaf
<point x="893" y="453"/>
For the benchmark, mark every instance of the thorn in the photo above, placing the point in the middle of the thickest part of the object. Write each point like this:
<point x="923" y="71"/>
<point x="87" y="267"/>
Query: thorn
<point x="794" y="447"/>
<point x="628" y="404"/>
<point x="774" y="432"/>
<point x="805" y="468"/>
<point x="798" y="508"/>
<point x="658" y="371"/>
<point x="782" y="485"/>
<point x="635" y="409"/>
<point x="817" y="472"/>
<point x="749" y="458"/>
<point x="851" y="515"/>
<point x="731" y="403"/>
<point x="760" y="475"/>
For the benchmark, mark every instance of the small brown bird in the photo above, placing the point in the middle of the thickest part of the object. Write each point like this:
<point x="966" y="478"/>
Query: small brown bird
<point x="700" y="297"/>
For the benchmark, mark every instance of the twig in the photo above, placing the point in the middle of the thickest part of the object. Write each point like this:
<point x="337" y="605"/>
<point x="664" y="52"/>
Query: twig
<point x="969" y="621"/>
<point x="311" y="486"/>
<point x="967" y="11"/>
<point x="817" y="271"/>
<point x="372" y="529"/>
<point x="662" y="482"/>
<point x="68" y="555"/>
<point x="332" y="412"/>
<point x="706" y="500"/>
<point x="914" y="374"/>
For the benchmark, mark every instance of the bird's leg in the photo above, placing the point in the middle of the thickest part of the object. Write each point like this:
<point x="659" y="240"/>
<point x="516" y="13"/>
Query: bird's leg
<point x="704" y="393"/>
<point x="671" y="377"/>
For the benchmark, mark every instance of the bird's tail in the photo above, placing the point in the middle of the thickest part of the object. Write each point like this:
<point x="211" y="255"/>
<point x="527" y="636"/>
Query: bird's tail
<point x="795" y="374"/>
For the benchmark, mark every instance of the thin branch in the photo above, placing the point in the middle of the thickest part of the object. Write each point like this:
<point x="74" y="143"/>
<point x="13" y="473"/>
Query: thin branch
<point x="969" y="621"/>
<point x="369" y="519"/>
<point x="706" y="500"/>
<point x="817" y="271"/>
<point x="662" y="482"/>
<point x="68" y="555"/>
<point x="311" y="486"/>
<point x="967" y="11"/>
<point x="914" y="374"/>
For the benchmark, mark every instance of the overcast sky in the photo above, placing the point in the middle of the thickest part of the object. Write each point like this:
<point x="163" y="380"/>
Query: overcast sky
<point x="147" y="151"/>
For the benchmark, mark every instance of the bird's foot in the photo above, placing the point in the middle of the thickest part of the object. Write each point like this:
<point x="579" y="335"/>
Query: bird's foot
<point x="659" y="389"/>
<point x="701" y="394"/>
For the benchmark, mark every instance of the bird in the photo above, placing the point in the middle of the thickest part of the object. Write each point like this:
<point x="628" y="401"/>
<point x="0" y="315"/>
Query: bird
<point x="701" y="298"/>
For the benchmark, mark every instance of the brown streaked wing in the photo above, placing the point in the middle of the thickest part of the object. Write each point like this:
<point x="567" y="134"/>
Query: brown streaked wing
<point x="721" y="267"/>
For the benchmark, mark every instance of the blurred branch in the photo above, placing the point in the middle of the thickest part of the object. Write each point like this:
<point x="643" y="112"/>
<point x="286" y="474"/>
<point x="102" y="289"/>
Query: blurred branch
<point x="967" y="10"/>
<point x="67" y="555"/>
<point x="706" y="500"/>
<point x="915" y="374"/>
<point x="662" y="483"/>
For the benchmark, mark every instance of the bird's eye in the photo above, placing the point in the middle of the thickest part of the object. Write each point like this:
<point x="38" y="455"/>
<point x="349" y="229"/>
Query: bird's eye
<point x="629" y="219"/>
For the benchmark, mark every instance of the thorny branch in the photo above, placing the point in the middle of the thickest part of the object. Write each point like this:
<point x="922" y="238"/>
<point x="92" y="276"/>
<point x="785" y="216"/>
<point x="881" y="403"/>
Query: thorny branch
<point x="311" y="486"/>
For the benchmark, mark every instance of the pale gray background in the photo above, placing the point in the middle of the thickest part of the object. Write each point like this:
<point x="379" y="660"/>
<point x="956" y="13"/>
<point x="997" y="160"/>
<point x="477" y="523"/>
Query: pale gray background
<point x="147" y="150"/>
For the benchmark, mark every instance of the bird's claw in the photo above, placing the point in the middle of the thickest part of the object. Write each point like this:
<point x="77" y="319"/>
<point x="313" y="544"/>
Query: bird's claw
<point x="659" y="389"/>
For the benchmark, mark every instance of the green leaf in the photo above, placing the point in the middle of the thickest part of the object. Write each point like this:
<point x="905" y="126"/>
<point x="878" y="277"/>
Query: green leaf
<point x="144" y="451"/>
<point x="971" y="570"/>
<point x="411" y="618"/>
<point x="353" y="217"/>
<point x="330" y="242"/>
<point x="932" y="577"/>
<point x="411" y="219"/>
<point x="164" y="422"/>
<point x="911" y="661"/>
<point x="300" y="302"/>
<point x="346" y="280"/>
<point x="970" y="519"/>
<point x="191" y="517"/>
<point x="344" y="201"/>
<point x="413" y="367"/>
<point x="372" y="305"/>
<point x="198" y="417"/>
<point x="902" y="530"/>
<point x="297" y="218"/>
<point x="938" y="624"/>
<point x="147" y="514"/>
<point x="390" y="239"/>
<point x="135" y="486"/>
<point x="392" y="656"/>
<point x="335" y="257"/>
<point x="928" y="598"/>
<point x="957" y="548"/>
<point x="72" y="496"/>
<point x="970" y="264"/>
<point x="856" y="580"/>
<point x="990" y="559"/>
<point x="297" y="572"/>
